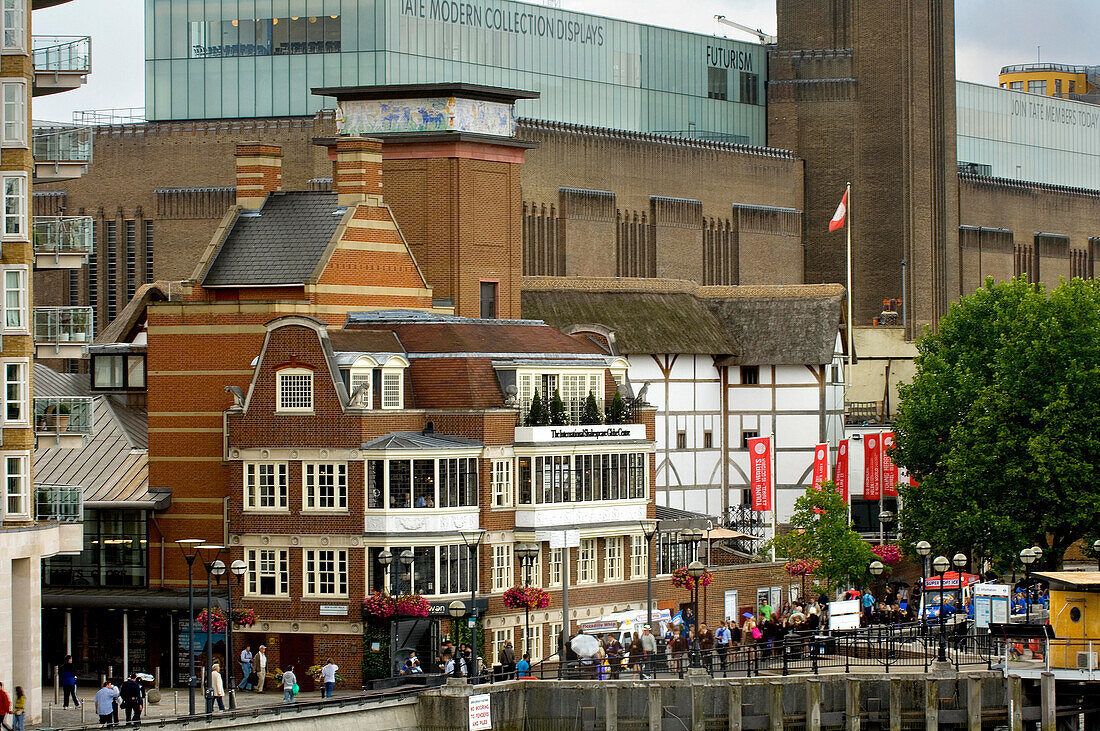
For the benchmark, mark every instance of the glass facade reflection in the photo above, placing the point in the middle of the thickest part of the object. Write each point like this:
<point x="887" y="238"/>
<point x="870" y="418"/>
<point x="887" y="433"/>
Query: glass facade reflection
<point x="210" y="59"/>
<point x="114" y="554"/>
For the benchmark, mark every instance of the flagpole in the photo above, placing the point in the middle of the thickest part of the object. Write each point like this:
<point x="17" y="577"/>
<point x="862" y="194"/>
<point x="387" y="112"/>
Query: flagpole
<point x="848" y="236"/>
<point x="775" y="487"/>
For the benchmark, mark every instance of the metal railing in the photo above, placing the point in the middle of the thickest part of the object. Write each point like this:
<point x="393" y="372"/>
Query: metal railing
<point x="61" y="325"/>
<point x="63" y="415"/>
<point x="61" y="143"/>
<point x="117" y="115"/>
<point x="63" y="54"/>
<point x="62" y="234"/>
<point x="864" y="412"/>
<point x="574" y="409"/>
<point x="64" y="503"/>
<point x="746" y="520"/>
<point x="1029" y="67"/>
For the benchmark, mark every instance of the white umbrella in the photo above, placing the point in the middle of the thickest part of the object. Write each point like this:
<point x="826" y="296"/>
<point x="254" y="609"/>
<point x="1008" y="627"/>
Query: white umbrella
<point x="585" y="645"/>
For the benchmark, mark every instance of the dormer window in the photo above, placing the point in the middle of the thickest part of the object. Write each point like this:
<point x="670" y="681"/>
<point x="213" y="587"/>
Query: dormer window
<point x="393" y="388"/>
<point x="294" y="390"/>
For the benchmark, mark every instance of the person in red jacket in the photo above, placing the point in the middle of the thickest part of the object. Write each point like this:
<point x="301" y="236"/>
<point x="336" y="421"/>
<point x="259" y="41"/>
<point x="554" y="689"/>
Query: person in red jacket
<point x="5" y="707"/>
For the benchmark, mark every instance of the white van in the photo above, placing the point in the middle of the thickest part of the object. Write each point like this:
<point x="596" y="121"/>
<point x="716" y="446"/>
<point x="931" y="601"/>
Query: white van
<point x="624" y="624"/>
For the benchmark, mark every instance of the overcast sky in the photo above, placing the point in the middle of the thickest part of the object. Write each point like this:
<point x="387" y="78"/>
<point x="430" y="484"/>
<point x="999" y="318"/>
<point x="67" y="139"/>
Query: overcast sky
<point x="989" y="34"/>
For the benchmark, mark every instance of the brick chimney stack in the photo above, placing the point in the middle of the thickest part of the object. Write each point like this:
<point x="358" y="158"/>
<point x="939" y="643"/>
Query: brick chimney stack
<point x="357" y="172"/>
<point x="259" y="172"/>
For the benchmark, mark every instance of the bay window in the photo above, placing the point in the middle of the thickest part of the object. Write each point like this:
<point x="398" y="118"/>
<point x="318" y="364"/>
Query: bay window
<point x="435" y="571"/>
<point x="581" y="478"/>
<point x="422" y="483"/>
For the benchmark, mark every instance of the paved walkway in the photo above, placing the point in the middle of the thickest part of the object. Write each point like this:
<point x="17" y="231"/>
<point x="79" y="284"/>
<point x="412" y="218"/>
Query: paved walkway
<point x="173" y="703"/>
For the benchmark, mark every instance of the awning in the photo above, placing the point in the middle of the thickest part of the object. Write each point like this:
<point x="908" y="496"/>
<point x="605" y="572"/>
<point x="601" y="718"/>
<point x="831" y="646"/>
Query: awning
<point x="114" y="599"/>
<point x="725" y="534"/>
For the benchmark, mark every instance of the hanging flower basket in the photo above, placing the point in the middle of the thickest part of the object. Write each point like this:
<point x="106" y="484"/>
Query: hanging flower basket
<point x="402" y="605"/>
<point x="526" y="597"/>
<point x="244" y="617"/>
<point x="889" y="553"/>
<point x="802" y="566"/>
<point x="218" y="623"/>
<point x="682" y="579"/>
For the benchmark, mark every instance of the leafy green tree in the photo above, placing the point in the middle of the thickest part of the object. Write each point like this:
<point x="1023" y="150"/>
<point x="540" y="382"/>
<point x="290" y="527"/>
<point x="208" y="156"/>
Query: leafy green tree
<point x="591" y="413"/>
<point x="536" y="415"/>
<point x="1000" y="423"/>
<point x="820" y="530"/>
<point x="616" y="412"/>
<point x="558" y="417"/>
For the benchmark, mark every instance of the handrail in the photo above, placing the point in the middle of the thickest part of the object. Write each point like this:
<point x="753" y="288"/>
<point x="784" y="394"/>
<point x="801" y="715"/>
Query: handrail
<point x="63" y="54"/>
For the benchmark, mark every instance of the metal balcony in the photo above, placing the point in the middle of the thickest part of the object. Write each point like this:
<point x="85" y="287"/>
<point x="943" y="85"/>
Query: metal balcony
<point x="62" y="242"/>
<point x="61" y="503"/>
<point x="61" y="63"/>
<point x="61" y="151"/>
<point x="62" y="332"/>
<point x="63" y="421"/>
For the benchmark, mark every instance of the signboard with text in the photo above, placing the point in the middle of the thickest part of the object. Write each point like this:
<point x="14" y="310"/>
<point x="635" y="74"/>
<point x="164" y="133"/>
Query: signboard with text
<point x="481" y="715"/>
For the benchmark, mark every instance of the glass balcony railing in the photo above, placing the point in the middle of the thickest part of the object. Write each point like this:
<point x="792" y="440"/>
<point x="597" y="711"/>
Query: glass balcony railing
<point x="62" y="143"/>
<point x="63" y="415"/>
<point x="62" y="234"/>
<point x="63" y="54"/>
<point x="62" y="325"/>
<point x="63" y="503"/>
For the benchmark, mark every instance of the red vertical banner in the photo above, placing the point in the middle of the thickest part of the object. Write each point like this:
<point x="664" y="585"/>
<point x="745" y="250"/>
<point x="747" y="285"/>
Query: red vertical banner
<point x="872" y="466"/>
<point x="821" y="465"/>
<point x="840" y="474"/>
<point x="760" y="472"/>
<point x="889" y="469"/>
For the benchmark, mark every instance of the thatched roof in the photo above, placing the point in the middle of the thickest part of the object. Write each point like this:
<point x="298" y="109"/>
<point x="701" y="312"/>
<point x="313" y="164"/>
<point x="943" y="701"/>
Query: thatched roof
<point x="751" y="325"/>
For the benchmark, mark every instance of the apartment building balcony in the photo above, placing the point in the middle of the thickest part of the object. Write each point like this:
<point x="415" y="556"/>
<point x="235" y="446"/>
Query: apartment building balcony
<point x="60" y="503"/>
<point x="865" y="413"/>
<point x="61" y="151"/>
<point x="62" y="332"/>
<point x="61" y="63"/>
<point x="63" y="422"/>
<point x="62" y="242"/>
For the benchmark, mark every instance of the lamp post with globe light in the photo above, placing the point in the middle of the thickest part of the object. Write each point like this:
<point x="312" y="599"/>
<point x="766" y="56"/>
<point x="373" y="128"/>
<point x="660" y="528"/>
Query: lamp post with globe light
<point x="876" y="568"/>
<point x="1027" y="557"/>
<point x="527" y="553"/>
<point x="696" y="569"/>
<point x="237" y="570"/>
<point x="940" y="565"/>
<point x="213" y="567"/>
<point x="190" y="549"/>
<point x="924" y="548"/>
<point x="456" y="610"/>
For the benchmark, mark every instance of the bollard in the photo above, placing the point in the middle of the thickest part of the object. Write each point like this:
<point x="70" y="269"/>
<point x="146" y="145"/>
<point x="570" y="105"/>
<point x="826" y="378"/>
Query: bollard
<point x="110" y="672"/>
<point x="51" y="715"/>
<point x="176" y="702"/>
<point x="611" y="708"/>
<point x="851" y="704"/>
<point x="775" y="706"/>
<point x="931" y="705"/>
<point x="1015" y="703"/>
<point x="974" y="703"/>
<point x="735" y="712"/>
<point x="156" y="678"/>
<point x="656" y="712"/>
<point x="813" y="705"/>
<point x="895" y="704"/>
<point x="56" y="686"/>
<point x="1049" y="705"/>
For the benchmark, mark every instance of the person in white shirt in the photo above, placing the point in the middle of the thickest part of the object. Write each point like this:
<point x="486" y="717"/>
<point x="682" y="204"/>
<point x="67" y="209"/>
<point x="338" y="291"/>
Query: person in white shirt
<point x="328" y="675"/>
<point x="289" y="681"/>
<point x="260" y="661"/>
<point x="217" y="687"/>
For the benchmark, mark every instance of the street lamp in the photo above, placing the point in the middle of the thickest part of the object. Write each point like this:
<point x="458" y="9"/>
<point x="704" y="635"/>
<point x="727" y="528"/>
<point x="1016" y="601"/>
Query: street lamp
<point x="876" y="568"/>
<point x="472" y="538"/>
<point x="527" y="553"/>
<point x="385" y="558"/>
<point x="457" y="609"/>
<point x="211" y="564"/>
<point x="1028" y="557"/>
<point x="649" y="529"/>
<point x="940" y="564"/>
<point x="696" y="569"/>
<point x="189" y="547"/>
<point x="924" y="548"/>
<point x="886" y="518"/>
<point x="236" y="569"/>
<point x="692" y="537"/>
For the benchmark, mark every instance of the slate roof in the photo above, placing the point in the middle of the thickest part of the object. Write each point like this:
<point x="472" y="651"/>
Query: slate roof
<point x="500" y="337"/>
<point x="280" y="244"/>
<point x="364" y="341"/>
<point x="415" y="440"/>
<point x="455" y="383"/>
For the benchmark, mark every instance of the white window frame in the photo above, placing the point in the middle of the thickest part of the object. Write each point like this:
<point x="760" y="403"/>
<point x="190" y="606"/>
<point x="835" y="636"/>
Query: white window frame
<point x="533" y="567"/>
<point x="588" y="569"/>
<point x="280" y="406"/>
<point x="500" y="636"/>
<point x="532" y="644"/>
<point x="252" y="493"/>
<point x="23" y="398"/>
<point x="281" y="572"/>
<point x="311" y="498"/>
<point x="365" y="376"/>
<point x="501" y="567"/>
<point x="22" y="232"/>
<point x="311" y="573"/>
<point x="390" y="376"/>
<point x="502" y="483"/>
<point x="18" y="117"/>
<point x="18" y="9"/>
<point x="613" y="568"/>
<point x="639" y="557"/>
<point x="20" y="491"/>
<point x="23" y="326"/>
<point x="554" y="566"/>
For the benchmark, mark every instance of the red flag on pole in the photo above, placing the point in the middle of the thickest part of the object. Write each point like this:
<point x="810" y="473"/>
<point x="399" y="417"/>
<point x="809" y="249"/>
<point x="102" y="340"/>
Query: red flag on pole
<point x="840" y="474"/>
<point x="821" y="465"/>
<point x="872" y="466"/>
<point x="889" y="469"/>
<point x="841" y="213"/>
<point x="760" y="472"/>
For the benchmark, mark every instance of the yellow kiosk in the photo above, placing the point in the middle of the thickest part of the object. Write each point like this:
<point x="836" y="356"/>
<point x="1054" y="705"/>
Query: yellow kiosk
<point x="1075" y="619"/>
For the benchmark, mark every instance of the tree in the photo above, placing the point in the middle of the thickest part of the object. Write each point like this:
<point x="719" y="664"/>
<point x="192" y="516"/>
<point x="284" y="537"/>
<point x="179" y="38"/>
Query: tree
<point x="999" y="425"/>
<point x="820" y="530"/>
<point x="591" y="413"/>
<point x="558" y="417"/>
<point x="536" y="415"/>
<point x="616" y="413"/>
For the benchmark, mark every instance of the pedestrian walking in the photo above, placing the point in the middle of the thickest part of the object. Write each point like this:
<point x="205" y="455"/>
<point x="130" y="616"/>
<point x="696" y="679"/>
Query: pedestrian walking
<point x="523" y="667"/>
<point x="133" y="698"/>
<point x="105" y="704"/>
<point x="246" y="668"/>
<point x="289" y="681"/>
<point x="260" y="661"/>
<point x="19" y="709"/>
<point x="649" y="651"/>
<point x="68" y="681"/>
<point x="5" y="707"/>
<point x="217" y="687"/>
<point x="328" y="677"/>
<point x="507" y="658"/>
